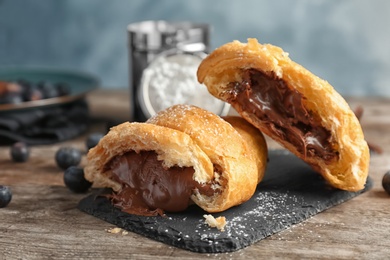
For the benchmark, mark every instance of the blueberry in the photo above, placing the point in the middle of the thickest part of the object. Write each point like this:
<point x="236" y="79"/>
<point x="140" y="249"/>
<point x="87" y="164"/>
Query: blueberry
<point x="63" y="88"/>
<point x="386" y="182"/>
<point x="67" y="156"/>
<point x="5" y="196"/>
<point x="93" y="139"/>
<point x="20" y="152"/>
<point x="32" y="93"/>
<point x="48" y="90"/>
<point x="11" y="98"/>
<point x="75" y="181"/>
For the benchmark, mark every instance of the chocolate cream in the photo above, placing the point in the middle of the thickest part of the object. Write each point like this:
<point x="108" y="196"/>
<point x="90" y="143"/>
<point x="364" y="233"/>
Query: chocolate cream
<point x="281" y="108"/>
<point x="149" y="188"/>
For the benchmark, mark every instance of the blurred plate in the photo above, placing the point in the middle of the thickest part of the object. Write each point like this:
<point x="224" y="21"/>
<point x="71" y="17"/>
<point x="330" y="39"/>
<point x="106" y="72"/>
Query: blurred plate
<point x="79" y="83"/>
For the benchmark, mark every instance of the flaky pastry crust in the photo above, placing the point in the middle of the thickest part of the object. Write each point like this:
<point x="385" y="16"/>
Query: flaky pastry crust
<point x="227" y="64"/>
<point x="173" y="147"/>
<point x="238" y="165"/>
<point x="253" y="139"/>
<point x="188" y="136"/>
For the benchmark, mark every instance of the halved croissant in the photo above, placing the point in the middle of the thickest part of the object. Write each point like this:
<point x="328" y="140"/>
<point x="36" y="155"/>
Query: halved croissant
<point x="291" y="105"/>
<point x="183" y="154"/>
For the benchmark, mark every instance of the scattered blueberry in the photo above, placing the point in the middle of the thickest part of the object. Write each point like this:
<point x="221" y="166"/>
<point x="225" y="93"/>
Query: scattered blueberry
<point x="5" y="196"/>
<point x="11" y="98"/>
<point x="386" y="182"/>
<point x="93" y="139"/>
<point x="75" y="181"/>
<point x="31" y="93"/>
<point x="67" y="156"/>
<point x="21" y="90"/>
<point x="48" y="90"/>
<point x="63" y="89"/>
<point x="20" y="152"/>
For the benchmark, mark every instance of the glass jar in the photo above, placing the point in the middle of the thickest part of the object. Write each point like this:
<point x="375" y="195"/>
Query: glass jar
<point x="164" y="58"/>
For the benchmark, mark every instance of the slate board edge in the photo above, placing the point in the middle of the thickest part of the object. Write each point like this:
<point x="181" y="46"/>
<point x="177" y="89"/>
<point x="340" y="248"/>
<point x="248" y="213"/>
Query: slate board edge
<point x="87" y="205"/>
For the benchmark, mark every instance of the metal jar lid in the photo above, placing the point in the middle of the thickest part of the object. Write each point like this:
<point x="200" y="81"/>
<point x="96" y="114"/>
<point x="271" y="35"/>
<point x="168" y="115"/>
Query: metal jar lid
<point x="163" y="35"/>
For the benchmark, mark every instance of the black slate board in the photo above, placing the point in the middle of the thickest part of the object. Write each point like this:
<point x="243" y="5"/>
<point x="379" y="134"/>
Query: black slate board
<point x="290" y="193"/>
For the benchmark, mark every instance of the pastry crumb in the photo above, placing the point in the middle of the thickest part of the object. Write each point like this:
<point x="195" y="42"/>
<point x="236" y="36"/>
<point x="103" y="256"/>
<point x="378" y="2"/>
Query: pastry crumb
<point x="219" y="222"/>
<point x="117" y="230"/>
<point x="114" y="230"/>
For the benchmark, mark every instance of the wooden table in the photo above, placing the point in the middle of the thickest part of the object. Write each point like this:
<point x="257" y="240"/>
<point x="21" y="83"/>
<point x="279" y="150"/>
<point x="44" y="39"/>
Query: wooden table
<point x="42" y="221"/>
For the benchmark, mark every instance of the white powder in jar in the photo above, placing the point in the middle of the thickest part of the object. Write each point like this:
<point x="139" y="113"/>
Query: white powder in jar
<point x="171" y="80"/>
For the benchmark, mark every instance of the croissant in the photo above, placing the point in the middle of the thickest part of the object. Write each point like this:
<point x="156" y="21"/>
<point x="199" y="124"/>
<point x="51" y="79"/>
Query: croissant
<point x="291" y="105"/>
<point x="182" y="155"/>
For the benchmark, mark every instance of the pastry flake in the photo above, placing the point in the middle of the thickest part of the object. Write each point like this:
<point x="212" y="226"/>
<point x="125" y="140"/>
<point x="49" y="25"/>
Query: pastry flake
<point x="219" y="222"/>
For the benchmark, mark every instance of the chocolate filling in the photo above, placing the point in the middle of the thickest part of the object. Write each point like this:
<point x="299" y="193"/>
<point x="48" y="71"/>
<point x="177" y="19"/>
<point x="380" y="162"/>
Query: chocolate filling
<point x="281" y="108"/>
<point x="148" y="188"/>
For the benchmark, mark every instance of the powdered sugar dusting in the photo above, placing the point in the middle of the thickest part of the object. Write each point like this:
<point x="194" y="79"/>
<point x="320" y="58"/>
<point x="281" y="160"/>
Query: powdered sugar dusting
<point x="221" y="135"/>
<point x="268" y="210"/>
<point x="246" y="224"/>
<point x="290" y="193"/>
<point x="172" y="80"/>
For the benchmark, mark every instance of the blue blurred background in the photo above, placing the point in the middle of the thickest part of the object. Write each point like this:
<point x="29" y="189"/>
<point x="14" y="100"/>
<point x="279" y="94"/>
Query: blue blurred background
<point x="345" y="42"/>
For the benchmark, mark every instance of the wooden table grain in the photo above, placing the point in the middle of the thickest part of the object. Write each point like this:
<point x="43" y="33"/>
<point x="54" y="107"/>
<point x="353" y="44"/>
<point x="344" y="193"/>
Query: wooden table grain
<point x="43" y="222"/>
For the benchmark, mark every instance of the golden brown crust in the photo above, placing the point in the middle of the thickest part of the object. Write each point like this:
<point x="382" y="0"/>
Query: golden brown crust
<point x="226" y="65"/>
<point x="236" y="164"/>
<point x="188" y="136"/>
<point x="173" y="148"/>
<point x="254" y="139"/>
